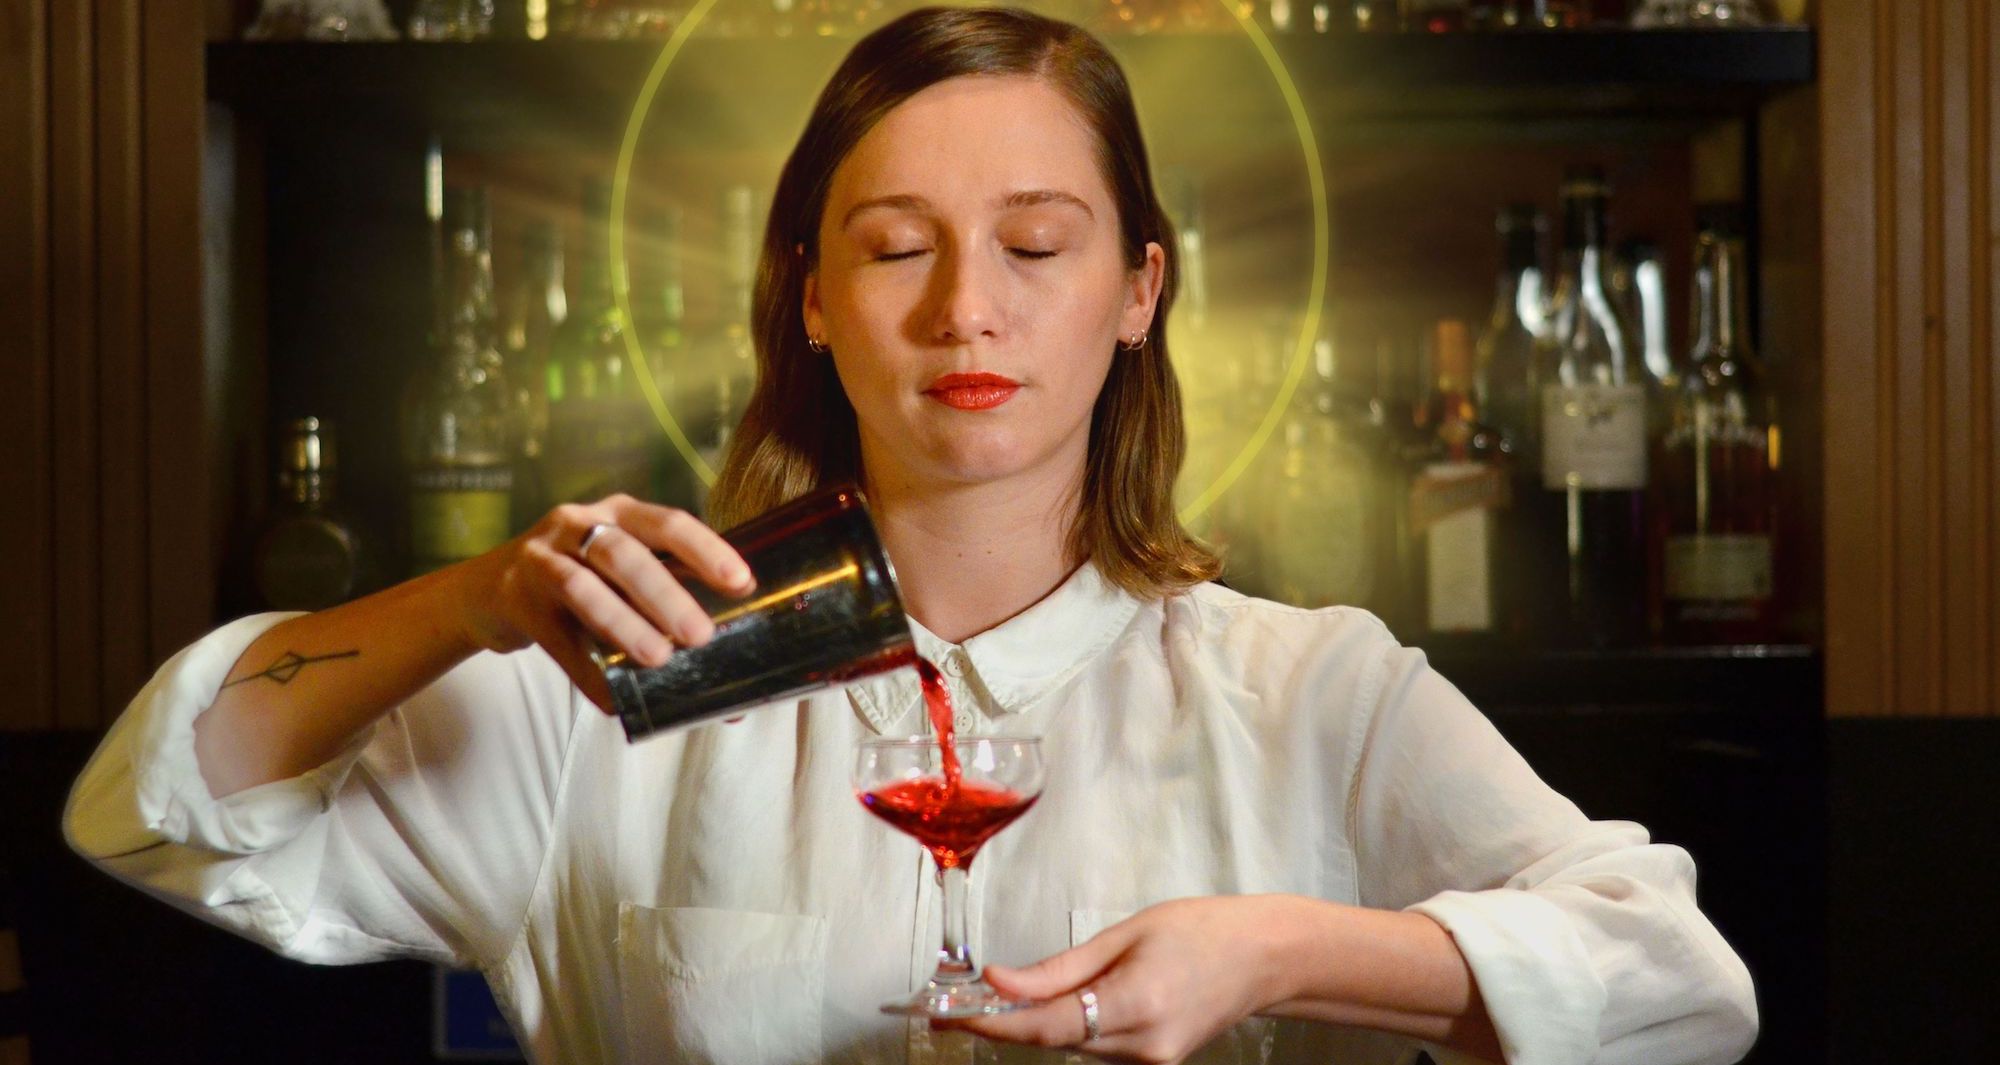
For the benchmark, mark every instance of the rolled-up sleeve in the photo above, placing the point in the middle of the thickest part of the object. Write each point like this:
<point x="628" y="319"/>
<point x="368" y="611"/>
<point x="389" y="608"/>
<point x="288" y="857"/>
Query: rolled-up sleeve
<point x="423" y="837"/>
<point x="1583" y="936"/>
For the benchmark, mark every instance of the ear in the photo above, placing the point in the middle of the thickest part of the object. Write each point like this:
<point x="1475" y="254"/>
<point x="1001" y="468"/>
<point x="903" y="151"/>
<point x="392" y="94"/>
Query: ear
<point x="810" y="309"/>
<point x="1142" y="293"/>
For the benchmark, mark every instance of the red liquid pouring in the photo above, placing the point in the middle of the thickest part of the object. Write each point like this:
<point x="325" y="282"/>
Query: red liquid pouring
<point x="951" y="822"/>
<point x="951" y="818"/>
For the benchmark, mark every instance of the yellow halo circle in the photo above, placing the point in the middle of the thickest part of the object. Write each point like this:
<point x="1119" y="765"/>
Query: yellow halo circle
<point x="1301" y="348"/>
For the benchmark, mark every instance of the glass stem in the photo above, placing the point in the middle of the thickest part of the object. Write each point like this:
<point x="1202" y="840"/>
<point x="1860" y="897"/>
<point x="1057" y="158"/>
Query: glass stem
<point x="955" y="964"/>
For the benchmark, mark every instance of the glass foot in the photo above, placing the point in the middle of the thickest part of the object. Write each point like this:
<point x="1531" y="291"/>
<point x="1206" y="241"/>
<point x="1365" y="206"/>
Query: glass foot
<point x="975" y="999"/>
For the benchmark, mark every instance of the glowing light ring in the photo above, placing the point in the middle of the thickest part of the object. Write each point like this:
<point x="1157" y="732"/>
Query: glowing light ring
<point x="1309" y="327"/>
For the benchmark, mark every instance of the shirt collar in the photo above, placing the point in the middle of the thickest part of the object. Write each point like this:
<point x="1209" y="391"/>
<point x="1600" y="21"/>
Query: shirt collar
<point x="1010" y="666"/>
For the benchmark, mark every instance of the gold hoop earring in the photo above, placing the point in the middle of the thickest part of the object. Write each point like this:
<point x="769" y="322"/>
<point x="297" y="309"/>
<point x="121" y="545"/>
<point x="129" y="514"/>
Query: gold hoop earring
<point x="1137" y="342"/>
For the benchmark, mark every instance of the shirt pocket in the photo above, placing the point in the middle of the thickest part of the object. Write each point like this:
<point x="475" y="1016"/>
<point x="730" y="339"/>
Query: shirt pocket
<point x="1249" y="1042"/>
<point x="729" y="987"/>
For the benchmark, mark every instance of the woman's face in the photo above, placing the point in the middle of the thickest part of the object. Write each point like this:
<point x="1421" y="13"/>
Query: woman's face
<point x="970" y="232"/>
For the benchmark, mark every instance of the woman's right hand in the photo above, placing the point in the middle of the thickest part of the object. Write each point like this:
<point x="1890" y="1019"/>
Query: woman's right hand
<point x="539" y="588"/>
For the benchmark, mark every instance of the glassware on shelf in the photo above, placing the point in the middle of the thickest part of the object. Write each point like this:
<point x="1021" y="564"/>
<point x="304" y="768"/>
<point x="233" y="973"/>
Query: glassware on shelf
<point x="322" y="20"/>
<point x="1720" y="461"/>
<point x="1639" y="287"/>
<point x="1436" y="16"/>
<point x="1507" y="385"/>
<point x="909" y="784"/>
<point x="1716" y="14"/>
<point x="452" y="20"/>
<point x="536" y="309"/>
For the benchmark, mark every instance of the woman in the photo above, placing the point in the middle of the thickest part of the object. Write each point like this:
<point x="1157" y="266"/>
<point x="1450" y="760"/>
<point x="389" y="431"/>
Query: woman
<point x="1252" y="812"/>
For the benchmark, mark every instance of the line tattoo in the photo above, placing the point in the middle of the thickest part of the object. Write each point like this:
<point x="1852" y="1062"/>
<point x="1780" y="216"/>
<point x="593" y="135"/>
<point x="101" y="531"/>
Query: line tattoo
<point x="288" y="665"/>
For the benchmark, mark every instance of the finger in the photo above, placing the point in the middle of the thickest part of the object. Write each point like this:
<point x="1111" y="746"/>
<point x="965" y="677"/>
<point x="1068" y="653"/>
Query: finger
<point x="582" y="594"/>
<point x="565" y="642"/>
<point x="687" y="538"/>
<point x="638" y="574"/>
<point x="1060" y="974"/>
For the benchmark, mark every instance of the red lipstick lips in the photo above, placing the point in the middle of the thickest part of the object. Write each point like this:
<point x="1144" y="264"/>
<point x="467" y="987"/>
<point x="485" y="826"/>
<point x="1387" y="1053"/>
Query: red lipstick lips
<point x="973" y="391"/>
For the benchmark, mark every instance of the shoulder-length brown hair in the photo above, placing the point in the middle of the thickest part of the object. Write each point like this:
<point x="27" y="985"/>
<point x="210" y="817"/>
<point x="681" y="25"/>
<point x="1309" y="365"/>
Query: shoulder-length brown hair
<point x="799" y="432"/>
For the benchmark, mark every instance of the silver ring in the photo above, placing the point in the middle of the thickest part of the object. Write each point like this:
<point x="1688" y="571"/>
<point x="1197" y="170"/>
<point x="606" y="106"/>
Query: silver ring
<point x="1091" y="1033"/>
<point x="590" y="537"/>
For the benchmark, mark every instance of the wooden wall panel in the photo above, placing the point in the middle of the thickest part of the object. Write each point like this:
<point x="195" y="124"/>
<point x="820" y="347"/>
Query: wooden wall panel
<point x="1908" y="124"/>
<point x="26" y="523"/>
<point x="100" y="107"/>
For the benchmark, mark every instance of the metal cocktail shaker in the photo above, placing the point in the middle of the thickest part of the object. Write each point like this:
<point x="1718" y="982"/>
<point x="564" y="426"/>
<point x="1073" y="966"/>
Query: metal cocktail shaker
<point x="826" y="612"/>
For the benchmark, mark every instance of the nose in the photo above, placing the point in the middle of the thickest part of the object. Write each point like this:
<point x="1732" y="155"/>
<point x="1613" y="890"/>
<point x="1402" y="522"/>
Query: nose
<point x="965" y="298"/>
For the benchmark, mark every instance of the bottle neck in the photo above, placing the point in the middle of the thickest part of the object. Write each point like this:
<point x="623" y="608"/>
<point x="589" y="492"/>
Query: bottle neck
<point x="468" y="316"/>
<point x="1722" y="325"/>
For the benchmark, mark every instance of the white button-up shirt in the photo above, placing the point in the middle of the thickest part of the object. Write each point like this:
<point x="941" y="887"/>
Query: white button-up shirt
<point x="718" y="895"/>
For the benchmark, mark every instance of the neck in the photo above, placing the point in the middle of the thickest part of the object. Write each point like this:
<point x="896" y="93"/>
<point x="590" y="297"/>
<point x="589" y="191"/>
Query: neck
<point x="970" y="556"/>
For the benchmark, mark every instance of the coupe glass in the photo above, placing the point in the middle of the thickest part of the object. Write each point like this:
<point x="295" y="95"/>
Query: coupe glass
<point x="907" y="783"/>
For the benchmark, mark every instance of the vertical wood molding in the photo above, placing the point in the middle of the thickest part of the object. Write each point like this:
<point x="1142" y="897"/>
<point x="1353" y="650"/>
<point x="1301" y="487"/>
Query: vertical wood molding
<point x="27" y="532"/>
<point x="1908" y="118"/>
<point x="101" y="425"/>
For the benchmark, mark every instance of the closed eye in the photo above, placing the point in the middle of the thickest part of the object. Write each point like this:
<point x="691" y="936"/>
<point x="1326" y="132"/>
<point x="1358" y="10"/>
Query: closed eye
<point x="894" y="257"/>
<point x="1026" y="253"/>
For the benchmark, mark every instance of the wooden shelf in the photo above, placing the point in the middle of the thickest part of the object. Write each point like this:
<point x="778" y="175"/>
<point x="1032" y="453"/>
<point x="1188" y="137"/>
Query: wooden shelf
<point x="1753" y="678"/>
<point x="524" y="91"/>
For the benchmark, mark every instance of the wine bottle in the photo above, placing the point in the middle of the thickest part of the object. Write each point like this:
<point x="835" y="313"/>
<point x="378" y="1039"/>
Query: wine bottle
<point x="308" y="556"/>
<point x="1594" y="422"/>
<point x="458" y="413"/>
<point x="1529" y="568"/>
<point x="726" y="353"/>
<point x="1719" y="461"/>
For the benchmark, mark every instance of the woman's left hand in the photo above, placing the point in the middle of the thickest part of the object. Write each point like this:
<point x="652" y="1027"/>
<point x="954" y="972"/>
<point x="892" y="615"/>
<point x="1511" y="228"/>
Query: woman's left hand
<point x="1168" y="979"/>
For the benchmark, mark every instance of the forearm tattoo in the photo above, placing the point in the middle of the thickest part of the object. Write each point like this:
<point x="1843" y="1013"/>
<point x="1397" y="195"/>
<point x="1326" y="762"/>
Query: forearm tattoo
<point x="288" y="665"/>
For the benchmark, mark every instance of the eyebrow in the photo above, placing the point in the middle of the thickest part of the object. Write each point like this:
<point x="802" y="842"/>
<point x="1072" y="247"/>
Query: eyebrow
<point x="1025" y="198"/>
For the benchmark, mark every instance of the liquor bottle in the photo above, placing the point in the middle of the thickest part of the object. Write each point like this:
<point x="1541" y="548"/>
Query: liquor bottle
<point x="458" y="414"/>
<point x="1594" y="424"/>
<point x="1507" y="386"/>
<point x="602" y="438"/>
<point x="1719" y="461"/>
<point x="536" y="310"/>
<point x="308" y="556"/>
<point x="727" y="355"/>
<point x="1455" y="499"/>
<point x="1324" y="528"/>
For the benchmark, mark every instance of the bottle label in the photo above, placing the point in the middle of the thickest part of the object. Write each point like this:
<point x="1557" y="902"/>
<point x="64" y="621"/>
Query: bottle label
<point x="1594" y="437"/>
<point x="1458" y="543"/>
<point x="457" y="512"/>
<point x="1731" y="568"/>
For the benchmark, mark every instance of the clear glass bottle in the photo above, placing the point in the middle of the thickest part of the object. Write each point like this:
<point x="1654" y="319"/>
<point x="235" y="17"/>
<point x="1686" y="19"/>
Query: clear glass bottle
<point x="1639" y="290"/>
<point x="602" y="438"/>
<point x="1322" y="523"/>
<point x="536" y="310"/>
<point x="726" y="355"/>
<point x="1719" y="461"/>
<point x="308" y="556"/>
<point x="669" y="350"/>
<point x="458" y="414"/>
<point x="1594" y="429"/>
